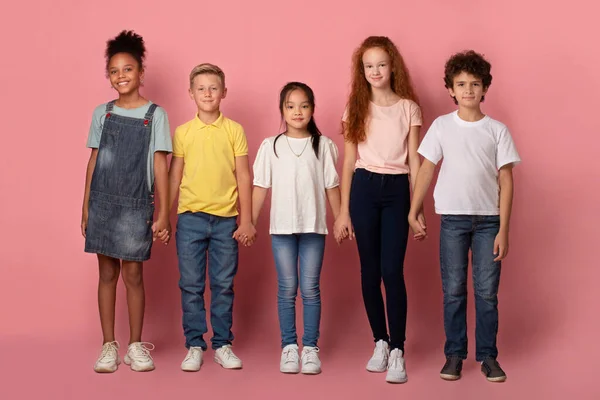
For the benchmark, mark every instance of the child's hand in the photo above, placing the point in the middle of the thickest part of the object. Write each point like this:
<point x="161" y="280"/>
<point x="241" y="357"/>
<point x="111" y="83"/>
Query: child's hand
<point x="342" y="228"/>
<point x="245" y="234"/>
<point x="417" y="224"/>
<point x="161" y="230"/>
<point x="84" y="221"/>
<point x="501" y="245"/>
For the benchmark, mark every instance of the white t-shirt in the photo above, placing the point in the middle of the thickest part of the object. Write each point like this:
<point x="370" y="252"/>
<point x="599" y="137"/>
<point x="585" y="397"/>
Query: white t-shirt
<point x="473" y="152"/>
<point x="298" y="183"/>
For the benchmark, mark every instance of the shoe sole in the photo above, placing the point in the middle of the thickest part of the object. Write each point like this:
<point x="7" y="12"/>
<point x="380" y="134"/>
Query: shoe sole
<point x="396" y="381"/>
<point x="289" y="371"/>
<point x="221" y="364"/>
<point x="448" y="377"/>
<point x="136" y="368"/>
<point x="305" y="372"/>
<point x="108" y="370"/>
<point x="495" y="380"/>
<point x="376" y="370"/>
<point x="192" y="369"/>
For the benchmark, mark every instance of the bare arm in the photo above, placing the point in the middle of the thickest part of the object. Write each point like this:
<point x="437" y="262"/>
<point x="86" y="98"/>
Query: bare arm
<point x="414" y="162"/>
<point x="246" y="232"/>
<point x="334" y="198"/>
<point x="161" y="179"/>
<point x="421" y="185"/>
<point x="350" y="154"/>
<point x="258" y="199"/>
<point x="505" y="181"/>
<point x="86" y="194"/>
<point x="175" y="176"/>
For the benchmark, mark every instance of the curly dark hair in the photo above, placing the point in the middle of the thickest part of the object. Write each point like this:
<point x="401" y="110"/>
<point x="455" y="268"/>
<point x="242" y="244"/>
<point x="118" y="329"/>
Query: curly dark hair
<point x="470" y="62"/>
<point x="126" y="42"/>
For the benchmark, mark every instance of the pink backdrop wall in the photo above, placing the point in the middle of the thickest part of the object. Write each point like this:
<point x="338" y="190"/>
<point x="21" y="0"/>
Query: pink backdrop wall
<point x="545" y="67"/>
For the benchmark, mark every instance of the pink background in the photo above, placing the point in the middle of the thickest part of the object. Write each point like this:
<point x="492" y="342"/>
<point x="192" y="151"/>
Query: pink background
<point x="545" y="67"/>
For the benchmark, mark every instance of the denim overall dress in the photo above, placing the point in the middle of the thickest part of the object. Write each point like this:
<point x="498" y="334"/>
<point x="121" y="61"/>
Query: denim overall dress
<point x="121" y="204"/>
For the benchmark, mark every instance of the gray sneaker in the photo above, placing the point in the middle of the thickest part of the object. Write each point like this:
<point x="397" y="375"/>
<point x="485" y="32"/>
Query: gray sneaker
<point x="492" y="371"/>
<point x="452" y="368"/>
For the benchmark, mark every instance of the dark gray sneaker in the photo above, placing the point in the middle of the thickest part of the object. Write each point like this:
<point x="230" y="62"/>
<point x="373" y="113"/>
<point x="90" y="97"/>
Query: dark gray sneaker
<point x="452" y="368"/>
<point x="492" y="371"/>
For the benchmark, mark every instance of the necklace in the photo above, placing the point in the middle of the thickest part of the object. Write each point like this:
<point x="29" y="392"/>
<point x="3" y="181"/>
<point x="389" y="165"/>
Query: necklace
<point x="292" y="150"/>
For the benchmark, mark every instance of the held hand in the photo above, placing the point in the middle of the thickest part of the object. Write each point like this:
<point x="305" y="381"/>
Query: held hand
<point x="245" y="234"/>
<point x="418" y="226"/>
<point x="342" y="228"/>
<point x="161" y="230"/>
<point x="501" y="246"/>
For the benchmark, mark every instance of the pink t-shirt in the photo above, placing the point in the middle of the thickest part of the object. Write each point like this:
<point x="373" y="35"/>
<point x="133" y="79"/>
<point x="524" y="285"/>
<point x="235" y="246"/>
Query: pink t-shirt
<point x="385" y="149"/>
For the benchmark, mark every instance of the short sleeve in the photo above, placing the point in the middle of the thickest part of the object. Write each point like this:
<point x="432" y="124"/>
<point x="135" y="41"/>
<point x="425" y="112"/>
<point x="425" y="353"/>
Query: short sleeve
<point x="330" y="157"/>
<point x="161" y="131"/>
<point x="262" y="165"/>
<point x="95" y="133"/>
<point x="431" y="147"/>
<point x="240" y="143"/>
<point x="506" y="151"/>
<point x="178" y="148"/>
<point x="416" y="118"/>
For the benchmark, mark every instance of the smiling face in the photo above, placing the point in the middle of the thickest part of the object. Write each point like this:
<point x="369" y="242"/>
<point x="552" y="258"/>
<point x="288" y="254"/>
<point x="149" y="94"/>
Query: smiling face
<point x="377" y="67"/>
<point x="297" y="110"/>
<point x="468" y="90"/>
<point x="207" y="91"/>
<point x="125" y="73"/>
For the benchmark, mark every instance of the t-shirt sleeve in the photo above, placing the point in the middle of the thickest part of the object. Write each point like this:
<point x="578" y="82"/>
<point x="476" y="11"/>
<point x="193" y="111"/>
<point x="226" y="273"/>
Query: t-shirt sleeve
<point x="95" y="133"/>
<point x="330" y="157"/>
<point x="416" y="118"/>
<point x="178" y="148"/>
<point x="506" y="151"/>
<point x="162" y="131"/>
<point x="431" y="147"/>
<point x="262" y="165"/>
<point x="240" y="143"/>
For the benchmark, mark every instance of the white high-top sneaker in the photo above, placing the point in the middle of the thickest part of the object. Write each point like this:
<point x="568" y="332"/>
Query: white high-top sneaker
<point x="379" y="360"/>
<point x="396" y="368"/>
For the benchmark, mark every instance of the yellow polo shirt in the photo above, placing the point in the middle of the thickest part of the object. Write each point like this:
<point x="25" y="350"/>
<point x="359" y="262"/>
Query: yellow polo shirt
<point x="209" y="151"/>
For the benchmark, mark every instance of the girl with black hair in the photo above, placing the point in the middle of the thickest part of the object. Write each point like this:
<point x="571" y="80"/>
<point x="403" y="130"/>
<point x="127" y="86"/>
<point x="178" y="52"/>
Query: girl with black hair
<point x="130" y="139"/>
<point x="299" y="167"/>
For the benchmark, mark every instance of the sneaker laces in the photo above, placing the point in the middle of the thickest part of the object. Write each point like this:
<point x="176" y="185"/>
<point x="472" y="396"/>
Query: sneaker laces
<point x="192" y="354"/>
<point x="290" y="355"/>
<point x="141" y="351"/>
<point x="107" y="351"/>
<point x="309" y="355"/>
<point x="227" y="353"/>
<point x="379" y="351"/>
<point x="394" y="360"/>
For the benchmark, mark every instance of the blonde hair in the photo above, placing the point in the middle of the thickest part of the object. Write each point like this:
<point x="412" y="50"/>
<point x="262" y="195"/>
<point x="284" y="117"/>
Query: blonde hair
<point x="207" y="68"/>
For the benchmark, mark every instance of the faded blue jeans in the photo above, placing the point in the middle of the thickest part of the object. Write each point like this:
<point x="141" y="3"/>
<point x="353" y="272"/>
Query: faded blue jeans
<point x="458" y="234"/>
<point x="298" y="255"/>
<point x="198" y="234"/>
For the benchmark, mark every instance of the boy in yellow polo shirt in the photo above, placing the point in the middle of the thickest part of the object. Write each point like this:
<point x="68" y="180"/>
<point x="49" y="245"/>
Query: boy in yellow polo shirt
<point x="210" y="169"/>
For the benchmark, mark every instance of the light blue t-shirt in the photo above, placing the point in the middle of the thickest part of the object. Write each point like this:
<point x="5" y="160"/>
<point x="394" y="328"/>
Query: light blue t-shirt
<point x="160" y="137"/>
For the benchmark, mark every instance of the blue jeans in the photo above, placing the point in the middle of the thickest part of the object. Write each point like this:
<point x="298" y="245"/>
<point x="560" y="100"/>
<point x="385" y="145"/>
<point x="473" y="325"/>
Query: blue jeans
<point x="199" y="233"/>
<point x="458" y="234"/>
<point x="308" y="248"/>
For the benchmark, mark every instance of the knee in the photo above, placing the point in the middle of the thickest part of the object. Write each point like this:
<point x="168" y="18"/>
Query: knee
<point x="454" y="287"/>
<point x="287" y="289"/>
<point x="310" y="291"/>
<point x="132" y="277"/>
<point x="109" y="275"/>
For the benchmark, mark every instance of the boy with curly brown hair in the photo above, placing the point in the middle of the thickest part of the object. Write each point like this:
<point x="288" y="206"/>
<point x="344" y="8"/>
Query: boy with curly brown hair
<point x="473" y="195"/>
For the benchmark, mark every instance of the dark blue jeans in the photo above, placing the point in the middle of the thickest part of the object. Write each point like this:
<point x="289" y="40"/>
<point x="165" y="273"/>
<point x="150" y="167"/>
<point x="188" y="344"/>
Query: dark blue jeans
<point x="458" y="234"/>
<point x="199" y="233"/>
<point x="379" y="205"/>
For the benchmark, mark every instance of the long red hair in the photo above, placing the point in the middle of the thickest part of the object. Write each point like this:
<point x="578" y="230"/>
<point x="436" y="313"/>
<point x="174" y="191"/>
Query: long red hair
<point x="360" y="94"/>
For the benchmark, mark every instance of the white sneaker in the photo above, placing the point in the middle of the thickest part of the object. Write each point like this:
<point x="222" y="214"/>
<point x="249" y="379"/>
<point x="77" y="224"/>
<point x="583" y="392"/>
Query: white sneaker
<point x="379" y="360"/>
<point x="138" y="356"/>
<point x="193" y="360"/>
<point x="396" y="368"/>
<point x="226" y="358"/>
<point x="290" y="360"/>
<point x="310" y="360"/>
<point x="109" y="358"/>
